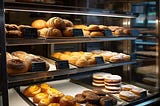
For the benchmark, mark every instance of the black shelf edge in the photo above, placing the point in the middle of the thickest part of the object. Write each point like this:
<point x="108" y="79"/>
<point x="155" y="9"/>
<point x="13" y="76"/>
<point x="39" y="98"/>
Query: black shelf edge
<point x="37" y="77"/>
<point x="59" y="9"/>
<point x="23" y="41"/>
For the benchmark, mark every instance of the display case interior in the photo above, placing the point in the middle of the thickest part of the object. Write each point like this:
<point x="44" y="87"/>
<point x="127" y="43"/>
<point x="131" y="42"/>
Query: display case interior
<point x="74" y="40"/>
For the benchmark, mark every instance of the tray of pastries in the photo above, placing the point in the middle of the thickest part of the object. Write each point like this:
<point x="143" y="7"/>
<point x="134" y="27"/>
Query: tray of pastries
<point x="20" y="62"/>
<point x="83" y="59"/>
<point x="112" y="85"/>
<point x="46" y="94"/>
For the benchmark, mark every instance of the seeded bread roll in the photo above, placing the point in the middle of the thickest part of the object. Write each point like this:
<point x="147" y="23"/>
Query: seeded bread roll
<point x="39" y="24"/>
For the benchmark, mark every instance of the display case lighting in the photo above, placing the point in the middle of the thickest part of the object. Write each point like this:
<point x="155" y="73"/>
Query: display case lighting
<point x="75" y="13"/>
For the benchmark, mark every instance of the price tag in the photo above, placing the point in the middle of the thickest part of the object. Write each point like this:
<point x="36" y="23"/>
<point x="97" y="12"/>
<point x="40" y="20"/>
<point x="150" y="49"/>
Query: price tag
<point x="108" y="32"/>
<point x="134" y="32"/>
<point x="62" y="64"/>
<point x="38" y="66"/>
<point x="77" y="32"/>
<point x="108" y="102"/>
<point x="99" y="60"/>
<point x="143" y="94"/>
<point x="30" y="33"/>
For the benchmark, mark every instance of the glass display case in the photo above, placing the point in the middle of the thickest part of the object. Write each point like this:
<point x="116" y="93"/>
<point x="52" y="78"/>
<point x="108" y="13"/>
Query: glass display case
<point x="74" y="40"/>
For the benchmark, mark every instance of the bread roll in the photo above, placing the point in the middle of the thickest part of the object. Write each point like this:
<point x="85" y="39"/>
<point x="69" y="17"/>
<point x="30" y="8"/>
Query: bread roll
<point x="57" y="55"/>
<point x="79" y="26"/>
<point x="96" y="34"/>
<point x="58" y="22"/>
<point x="103" y="27"/>
<point x="16" y="66"/>
<point x="68" y="23"/>
<point x="39" y="24"/>
<point x="20" y="54"/>
<point x="43" y="32"/>
<point x="68" y="32"/>
<point x="86" y="33"/>
<point x="11" y="27"/>
<point x="52" y="32"/>
<point x="92" y="28"/>
<point x="67" y="101"/>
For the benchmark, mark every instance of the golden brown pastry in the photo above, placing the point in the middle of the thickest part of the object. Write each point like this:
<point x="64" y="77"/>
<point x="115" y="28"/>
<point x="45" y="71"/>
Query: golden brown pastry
<point x="20" y="54"/>
<point x="92" y="28"/>
<point x="96" y="34"/>
<point x="102" y="27"/>
<point x="54" y="104"/>
<point x="51" y="90"/>
<point x="39" y="24"/>
<point x="86" y="33"/>
<point x="44" y="87"/>
<point x="43" y="32"/>
<point x="39" y="96"/>
<point x="52" y="32"/>
<point x="68" y="23"/>
<point x="82" y="62"/>
<point x="44" y="102"/>
<point x="68" y="32"/>
<point x="57" y="55"/>
<point x="57" y="22"/>
<point x="55" y="97"/>
<point x="8" y="56"/>
<point x="67" y="101"/>
<point x="50" y="23"/>
<point x="118" y="32"/>
<point x="127" y="95"/>
<point x="79" y="26"/>
<point x="16" y="66"/>
<point x="32" y="90"/>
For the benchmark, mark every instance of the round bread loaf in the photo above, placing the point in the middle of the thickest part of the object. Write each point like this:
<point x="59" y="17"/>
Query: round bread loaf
<point x="59" y="23"/>
<point x="16" y="66"/>
<point x="68" y="23"/>
<point x="39" y="24"/>
<point x="52" y="32"/>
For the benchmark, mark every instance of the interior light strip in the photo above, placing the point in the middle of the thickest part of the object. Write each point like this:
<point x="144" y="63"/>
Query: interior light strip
<point x="74" y="13"/>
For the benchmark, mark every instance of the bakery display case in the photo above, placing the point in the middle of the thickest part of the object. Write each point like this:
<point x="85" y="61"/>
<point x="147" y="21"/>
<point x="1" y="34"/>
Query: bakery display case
<point x="77" y="53"/>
